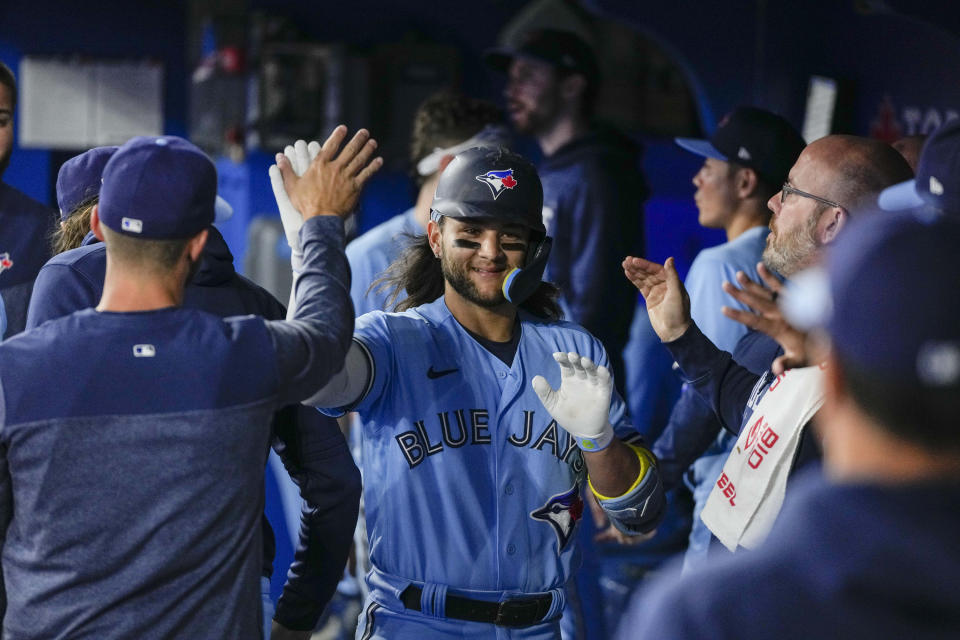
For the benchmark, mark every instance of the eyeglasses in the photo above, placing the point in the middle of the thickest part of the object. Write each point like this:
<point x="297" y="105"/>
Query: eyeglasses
<point x="787" y="189"/>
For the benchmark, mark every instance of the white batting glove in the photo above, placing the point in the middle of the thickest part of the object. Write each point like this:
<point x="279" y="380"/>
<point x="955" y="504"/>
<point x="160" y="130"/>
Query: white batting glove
<point x="582" y="403"/>
<point x="300" y="155"/>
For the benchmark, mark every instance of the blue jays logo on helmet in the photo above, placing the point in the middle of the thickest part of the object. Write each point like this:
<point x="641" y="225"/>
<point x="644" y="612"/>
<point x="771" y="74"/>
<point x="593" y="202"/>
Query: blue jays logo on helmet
<point x="562" y="512"/>
<point x="498" y="181"/>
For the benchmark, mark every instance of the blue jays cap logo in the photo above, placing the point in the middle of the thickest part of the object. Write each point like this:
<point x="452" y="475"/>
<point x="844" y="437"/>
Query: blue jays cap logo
<point x="5" y="261"/>
<point x="498" y="181"/>
<point x="562" y="512"/>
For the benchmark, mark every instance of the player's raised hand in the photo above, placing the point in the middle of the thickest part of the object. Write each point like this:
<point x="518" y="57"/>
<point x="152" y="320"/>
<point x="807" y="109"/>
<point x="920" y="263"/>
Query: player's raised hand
<point x="332" y="183"/>
<point x="582" y="403"/>
<point x="767" y="316"/>
<point x="299" y="154"/>
<point x="667" y="301"/>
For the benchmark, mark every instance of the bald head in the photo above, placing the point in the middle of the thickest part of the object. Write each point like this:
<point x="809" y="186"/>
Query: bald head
<point x="858" y="168"/>
<point x="833" y="177"/>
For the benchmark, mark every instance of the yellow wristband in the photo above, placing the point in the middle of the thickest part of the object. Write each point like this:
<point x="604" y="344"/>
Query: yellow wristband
<point x="646" y="461"/>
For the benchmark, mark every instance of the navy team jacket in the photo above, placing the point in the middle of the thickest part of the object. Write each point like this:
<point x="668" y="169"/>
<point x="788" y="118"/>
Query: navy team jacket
<point x="310" y="444"/>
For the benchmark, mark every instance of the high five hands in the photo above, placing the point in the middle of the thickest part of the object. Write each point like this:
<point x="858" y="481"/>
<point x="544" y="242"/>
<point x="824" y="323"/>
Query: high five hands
<point x="332" y="181"/>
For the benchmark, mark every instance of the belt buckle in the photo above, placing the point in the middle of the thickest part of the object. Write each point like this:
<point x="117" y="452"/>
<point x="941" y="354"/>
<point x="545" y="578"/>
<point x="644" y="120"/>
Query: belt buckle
<point x="519" y="612"/>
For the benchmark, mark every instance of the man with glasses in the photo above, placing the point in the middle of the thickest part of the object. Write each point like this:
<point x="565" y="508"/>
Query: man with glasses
<point x="833" y="177"/>
<point x="868" y="550"/>
<point x="745" y="160"/>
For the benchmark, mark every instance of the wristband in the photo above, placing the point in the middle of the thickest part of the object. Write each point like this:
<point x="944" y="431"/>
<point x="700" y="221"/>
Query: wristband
<point x="646" y="461"/>
<point x="599" y="443"/>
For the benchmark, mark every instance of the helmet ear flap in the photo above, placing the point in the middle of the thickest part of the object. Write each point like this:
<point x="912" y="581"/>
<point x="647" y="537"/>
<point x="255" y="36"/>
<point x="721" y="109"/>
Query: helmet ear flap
<point x="521" y="283"/>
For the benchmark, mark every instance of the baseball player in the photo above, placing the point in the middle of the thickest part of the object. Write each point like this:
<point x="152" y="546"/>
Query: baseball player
<point x="474" y="470"/>
<point x="310" y="445"/>
<point x="152" y="446"/>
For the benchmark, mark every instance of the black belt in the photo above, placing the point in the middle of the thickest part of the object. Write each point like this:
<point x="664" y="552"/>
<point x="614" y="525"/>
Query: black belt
<point x="515" y="612"/>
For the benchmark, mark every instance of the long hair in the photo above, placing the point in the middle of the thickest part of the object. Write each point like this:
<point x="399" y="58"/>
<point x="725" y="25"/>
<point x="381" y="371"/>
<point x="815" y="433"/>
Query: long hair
<point x="71" y="232"/>
<point x="418" y="273"/>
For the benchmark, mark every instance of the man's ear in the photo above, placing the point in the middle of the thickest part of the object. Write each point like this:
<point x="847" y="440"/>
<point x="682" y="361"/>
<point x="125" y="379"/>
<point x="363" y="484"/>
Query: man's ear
<point x="831" y="222"/>
<point x="95" y="222"/>
<point x="195" y="245"/>
<point x="745" y="182"/>
<point x="434" y="236"/>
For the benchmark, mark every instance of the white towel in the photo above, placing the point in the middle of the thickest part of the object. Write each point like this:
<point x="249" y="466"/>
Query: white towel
<point x="748" y="494"/>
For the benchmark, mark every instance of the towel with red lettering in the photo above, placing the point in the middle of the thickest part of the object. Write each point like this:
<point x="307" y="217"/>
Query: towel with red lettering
<point x="748" y="494"/>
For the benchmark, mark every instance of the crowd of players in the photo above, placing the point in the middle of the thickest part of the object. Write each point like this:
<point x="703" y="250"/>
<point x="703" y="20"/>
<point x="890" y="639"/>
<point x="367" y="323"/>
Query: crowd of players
<point x="816" y="377"/>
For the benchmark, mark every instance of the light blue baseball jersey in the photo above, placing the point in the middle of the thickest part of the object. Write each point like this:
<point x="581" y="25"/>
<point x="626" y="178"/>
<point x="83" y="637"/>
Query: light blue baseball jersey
<point x="369" y="256"/>
<point x="471" y="483"/>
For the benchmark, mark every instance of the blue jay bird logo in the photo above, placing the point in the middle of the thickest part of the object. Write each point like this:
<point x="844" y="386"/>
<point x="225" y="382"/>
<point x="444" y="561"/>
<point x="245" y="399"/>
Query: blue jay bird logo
<point x="562" y="512"/>
<point x="498" y="181"/>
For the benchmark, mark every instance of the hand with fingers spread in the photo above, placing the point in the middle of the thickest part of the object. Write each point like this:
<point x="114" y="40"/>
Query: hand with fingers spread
<point x="582" y="403"/>
<point x="767" y="317"/>
<point x="332" y="182"/>
<point x="667" y="301"/>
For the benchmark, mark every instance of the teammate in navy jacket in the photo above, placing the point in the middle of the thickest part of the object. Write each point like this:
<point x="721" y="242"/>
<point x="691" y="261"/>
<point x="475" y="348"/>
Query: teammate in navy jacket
<point x="472" y="488"/>
<point x="309" y="444"/>
<point x="161" y="484"/>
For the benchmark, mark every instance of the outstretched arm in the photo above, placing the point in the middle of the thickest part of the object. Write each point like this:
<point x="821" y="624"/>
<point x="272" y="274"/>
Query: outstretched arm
<point x="313" y="345"/>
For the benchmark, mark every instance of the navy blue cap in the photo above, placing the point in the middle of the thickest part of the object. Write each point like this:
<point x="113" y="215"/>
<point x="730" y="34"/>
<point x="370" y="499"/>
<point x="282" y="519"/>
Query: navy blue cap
<point x="937" y="183"/>
<point x="158" y="188"/>
<point x="79" y="178"/>
<point x="561" y="49"/>
<point x="889" y="303"/>
<point x="754" y="138"/>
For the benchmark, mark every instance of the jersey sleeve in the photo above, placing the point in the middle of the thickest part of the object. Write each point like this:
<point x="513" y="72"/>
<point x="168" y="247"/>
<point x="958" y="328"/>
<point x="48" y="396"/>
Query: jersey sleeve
<point x="373" y="335"/>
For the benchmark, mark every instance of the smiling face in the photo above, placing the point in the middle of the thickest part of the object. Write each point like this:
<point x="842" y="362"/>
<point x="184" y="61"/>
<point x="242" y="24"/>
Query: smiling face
<point x="476" y="255"/>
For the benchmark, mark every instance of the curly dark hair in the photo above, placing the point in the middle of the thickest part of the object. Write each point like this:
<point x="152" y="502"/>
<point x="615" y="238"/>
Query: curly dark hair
<point x="447" y="118"/>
